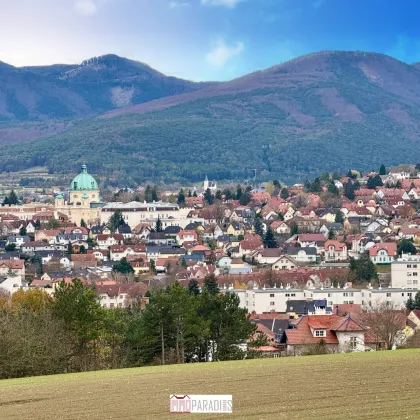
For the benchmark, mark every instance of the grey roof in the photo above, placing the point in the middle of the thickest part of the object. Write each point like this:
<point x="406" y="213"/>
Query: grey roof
<point x="192" y="226"/>
<point x="169" y="230"/>
<point x="309" y="250"/>
<point x="97" y="229"/>
<point x="301" y="307"/>
<point x="69" y="236"/>
<point x="53" y="253"/>
<point x="124" y="229"/>
<point x="157" y="235"/>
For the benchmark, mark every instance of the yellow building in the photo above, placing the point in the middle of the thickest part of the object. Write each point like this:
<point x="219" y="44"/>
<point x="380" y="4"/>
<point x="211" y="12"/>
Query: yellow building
<point x="84" y="201"/>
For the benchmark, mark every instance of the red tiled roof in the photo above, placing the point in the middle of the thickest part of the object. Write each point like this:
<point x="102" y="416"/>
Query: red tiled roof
<point x="389" y="247"/>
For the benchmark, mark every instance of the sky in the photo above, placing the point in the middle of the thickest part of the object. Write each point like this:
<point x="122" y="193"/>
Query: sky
<point x="204" y="39"/>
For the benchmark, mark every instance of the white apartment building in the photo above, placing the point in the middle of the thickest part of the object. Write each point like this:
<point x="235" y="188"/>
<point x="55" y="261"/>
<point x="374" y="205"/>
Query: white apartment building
<point x="397" y="297"/>
<point x="134" y="213"/>
<point x="275" y="299"/>
<point x="405" y="272"/>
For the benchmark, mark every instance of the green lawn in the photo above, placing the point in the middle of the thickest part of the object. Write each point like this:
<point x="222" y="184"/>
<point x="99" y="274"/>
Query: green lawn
<point x="381" y="385"/>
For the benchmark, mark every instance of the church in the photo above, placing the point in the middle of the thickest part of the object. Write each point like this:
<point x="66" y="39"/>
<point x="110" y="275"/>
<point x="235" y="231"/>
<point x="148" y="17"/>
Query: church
<point x="84" y="200"/>
<point x="209" y="185"/>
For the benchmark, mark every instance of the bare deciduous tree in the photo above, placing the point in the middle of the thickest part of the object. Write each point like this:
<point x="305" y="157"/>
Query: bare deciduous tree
<point x="385" y="324"/>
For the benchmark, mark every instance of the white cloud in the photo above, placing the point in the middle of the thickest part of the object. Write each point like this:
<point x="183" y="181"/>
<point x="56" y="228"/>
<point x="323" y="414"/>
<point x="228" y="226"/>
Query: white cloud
<point x="222" y="53"/>
<point x="227" y="3"/>
<point x="178" y="4"/>
<point x="86" y="7"/>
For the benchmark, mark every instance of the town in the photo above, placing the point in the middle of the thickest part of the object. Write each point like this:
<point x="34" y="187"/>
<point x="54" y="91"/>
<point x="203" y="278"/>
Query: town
<point x="311" y="268"/>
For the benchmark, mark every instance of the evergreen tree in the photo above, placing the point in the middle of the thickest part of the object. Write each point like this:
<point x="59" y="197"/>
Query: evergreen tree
<point x="239" y="192"/>
<point x="153" y="266"/>
<point x="11" y="199"/>
<point x="348" y="190"/>
<point x="69" y="248"/>
<point x="189" y="193"/>
<point x="331" y="234"/>
<point x="294" y="229"/>
<point x="123" y="266"/>
<point x="211" y="285"/>
<point x="83" y="223"/>
<point x="398" y="184"/>
<point x="284" y="193"/>
<point x="218" y="195"/>
<point x="276" y="184"/>
<point x="181" y="198"/>
<point x="148" y="197"/>
<point x="208" y="197"/>
<point x="155" y="196"/>
<point x="417" y="301"/>
<point x="410" y="305"/>
<point x="382" y="170"/>
<point x="269" y="239"/>
<point x="158" y="226"/>
<point x="307" y="185"/>
<point x="258" y="227"/>
<point x="82" y="249"/>
<point x="245" y="198"/>
<point x="37" y="224"/>
<point x="363" y="269"/>
<point x="115" y="221"/>
<point x="332" y="189"/>
<point x="195" y="194"/>
<point x="339" y="217"/>
<point x="22" y="231"/>
<point x="228" y="194"/>
<point x="406" y="247"/>
<point x="194" y="287"/>
<point x="316" y="186"/>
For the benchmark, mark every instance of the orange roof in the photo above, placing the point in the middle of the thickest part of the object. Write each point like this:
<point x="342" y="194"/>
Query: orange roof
<point x="389" y="247"/>
<point x="338" y="246"/>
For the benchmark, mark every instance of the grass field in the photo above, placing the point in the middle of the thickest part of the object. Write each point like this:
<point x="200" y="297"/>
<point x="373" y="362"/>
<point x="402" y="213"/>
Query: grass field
<point x="381" y="386"/>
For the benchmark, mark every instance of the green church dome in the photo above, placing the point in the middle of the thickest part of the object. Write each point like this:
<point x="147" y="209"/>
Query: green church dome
<point x="84" y="181"/>
<point x="59" y="197"/>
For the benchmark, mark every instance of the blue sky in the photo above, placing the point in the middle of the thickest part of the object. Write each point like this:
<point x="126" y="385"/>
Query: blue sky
<point x="204" y="39"/>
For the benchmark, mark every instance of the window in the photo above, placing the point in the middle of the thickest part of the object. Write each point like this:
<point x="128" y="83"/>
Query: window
<point x="351" y="302"/>
<point x="353" y="343"/>
<point x="319" y="333"/>
<point x="329" y="294"/>
<point x="293" y="294"/>
<point x="271" y="294"/>
<point x="287" y="294"/>
<point x="408" y="265"/>
<point x="415" y="273"/>
<point x="272" y="303"/>
<point x="414" y="265"/>
<point x="345" y="294"/>
<point x="415" y="281"/>
<point x="409" y="294"/>
<point x="388" y="295"/>
<point x="345" y="302"/>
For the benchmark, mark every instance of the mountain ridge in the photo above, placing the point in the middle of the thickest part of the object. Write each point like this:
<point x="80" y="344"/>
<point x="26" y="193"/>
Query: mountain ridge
<point x="325" y="111"/>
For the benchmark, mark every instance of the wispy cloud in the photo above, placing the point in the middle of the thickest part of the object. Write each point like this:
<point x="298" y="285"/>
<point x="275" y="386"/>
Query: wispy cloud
<point x="89" y="7"/>
<point x="221" y="53"/>
<point x="226" y="3"/>
<point x="178" y="4"/>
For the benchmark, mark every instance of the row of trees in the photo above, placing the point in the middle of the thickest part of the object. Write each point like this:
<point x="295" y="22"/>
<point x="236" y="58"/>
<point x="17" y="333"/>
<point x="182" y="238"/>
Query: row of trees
<point x="72" y="332"/>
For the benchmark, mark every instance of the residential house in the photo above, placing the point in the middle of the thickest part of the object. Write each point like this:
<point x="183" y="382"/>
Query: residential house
<point x="340" y="334"/>
<point x="335" y="251"/>
<point x="284" y="263"/>
<point x="186" y="236"/>
<point x="267" y="255"/>
<point x="383" y="253"/>
<point x="84" y="232"/>
<point x="336" y="228"/>
<point x="104" y="241"/>
<point x="83" y="261"/>
<point x="280" y="227"/>
<point x="302" y="254"/>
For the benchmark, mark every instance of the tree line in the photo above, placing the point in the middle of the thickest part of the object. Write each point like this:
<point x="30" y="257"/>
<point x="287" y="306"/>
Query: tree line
<point x="72" y="332"/>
